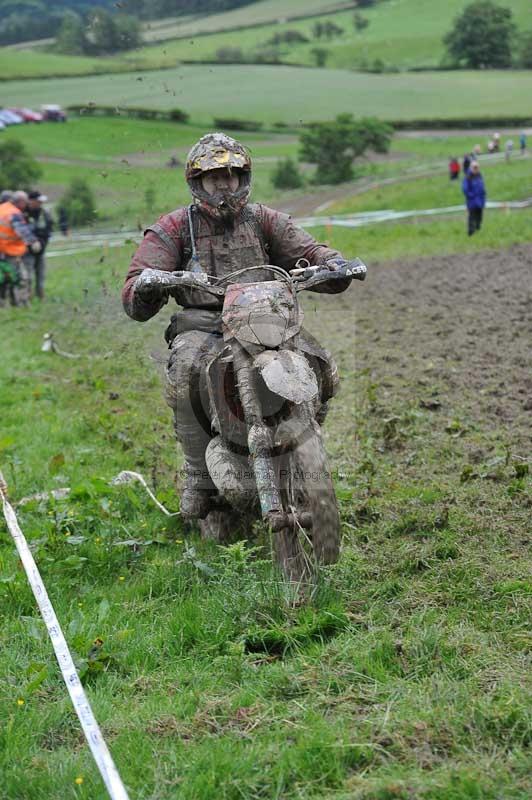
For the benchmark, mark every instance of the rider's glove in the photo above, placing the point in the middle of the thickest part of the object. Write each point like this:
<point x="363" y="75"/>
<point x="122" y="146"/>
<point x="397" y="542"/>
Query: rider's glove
<point x="36" y="247"/>
<point x="148" y="289"/>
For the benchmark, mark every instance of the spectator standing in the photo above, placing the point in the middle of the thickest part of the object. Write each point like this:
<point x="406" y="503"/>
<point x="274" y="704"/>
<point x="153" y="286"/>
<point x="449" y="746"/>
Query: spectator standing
<point x="508" y="147"/>
<point x="522" y="143"/>
<point x="454" y="168"/>
<point x="496" y="142"/>
<point x="466" y="163"/>
<point x="16" y="238"/>
<point x="42" y="225"/>
<point x="475" y="194"/>
<point x="63" y="221"/>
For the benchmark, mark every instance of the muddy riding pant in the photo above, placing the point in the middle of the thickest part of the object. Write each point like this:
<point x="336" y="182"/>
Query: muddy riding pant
<point x="187" y="394"/>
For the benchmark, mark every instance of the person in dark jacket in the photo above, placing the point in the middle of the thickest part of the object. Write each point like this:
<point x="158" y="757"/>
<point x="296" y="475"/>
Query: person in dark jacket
<point x="475" y="194"/>
<point x="42" y="226"/>
<point x="63" y="220"/>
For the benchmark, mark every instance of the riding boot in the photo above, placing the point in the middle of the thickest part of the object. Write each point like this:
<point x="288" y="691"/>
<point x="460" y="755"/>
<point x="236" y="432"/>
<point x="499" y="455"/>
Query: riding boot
<point x="198" y="488"/>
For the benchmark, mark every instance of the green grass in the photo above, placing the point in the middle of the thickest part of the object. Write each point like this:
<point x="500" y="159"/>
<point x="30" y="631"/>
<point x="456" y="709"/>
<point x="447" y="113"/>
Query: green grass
<point x="503" y="181"/>
<point x="416" y="690"/>
<point x="289" y="94"/>
<point x="121" y="158"/>
<point x="402" y="34"/>
<point x="103" y="139"/>
<point x="35" y="63"/>
<point x="256" y="13"/>
<point x="419" y="237"/>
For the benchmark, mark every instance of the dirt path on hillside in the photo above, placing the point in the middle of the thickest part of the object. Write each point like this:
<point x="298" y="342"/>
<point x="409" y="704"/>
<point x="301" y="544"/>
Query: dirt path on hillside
<point x="309" y="204"/>
<point x="448" y="335"/>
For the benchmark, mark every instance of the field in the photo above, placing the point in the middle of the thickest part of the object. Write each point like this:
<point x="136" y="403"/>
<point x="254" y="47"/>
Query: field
<point x="121" y="159"/>
<point x="406" y="677"/>
<point x="254" y="14"/>
<point x="288" y="94"/>
<point x="402" y="34"/>
<point x="504" y="182"/>
<point x="391" y="37"/>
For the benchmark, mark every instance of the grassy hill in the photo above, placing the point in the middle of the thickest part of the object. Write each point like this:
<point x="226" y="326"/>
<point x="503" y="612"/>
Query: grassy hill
<point x="258" y="13"/>
<point x="290" y="94"/>
<point x="402" y="34"/>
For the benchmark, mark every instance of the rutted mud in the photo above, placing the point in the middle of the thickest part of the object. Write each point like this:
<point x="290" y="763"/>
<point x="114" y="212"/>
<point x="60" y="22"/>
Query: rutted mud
<point x="451" y="333"/>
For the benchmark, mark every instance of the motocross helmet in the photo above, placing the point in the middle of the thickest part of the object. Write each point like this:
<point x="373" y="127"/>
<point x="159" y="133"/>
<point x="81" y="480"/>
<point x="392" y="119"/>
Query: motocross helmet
<point x="218" y="151"/>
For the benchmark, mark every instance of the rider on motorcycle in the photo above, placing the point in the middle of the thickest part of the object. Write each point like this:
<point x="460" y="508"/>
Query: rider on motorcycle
<point x="219" y="233"/>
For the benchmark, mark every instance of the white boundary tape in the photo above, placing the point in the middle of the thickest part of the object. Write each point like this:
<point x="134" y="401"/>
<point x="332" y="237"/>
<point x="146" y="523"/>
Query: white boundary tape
<point x="93" y="735"/>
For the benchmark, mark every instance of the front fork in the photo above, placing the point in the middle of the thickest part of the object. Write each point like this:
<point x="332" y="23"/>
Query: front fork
<point x="260" y="445"/>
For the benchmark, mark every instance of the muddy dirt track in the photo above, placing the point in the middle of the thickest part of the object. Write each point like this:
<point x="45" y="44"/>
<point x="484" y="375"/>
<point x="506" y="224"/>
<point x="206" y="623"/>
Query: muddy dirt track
<point x="451" y="334"/>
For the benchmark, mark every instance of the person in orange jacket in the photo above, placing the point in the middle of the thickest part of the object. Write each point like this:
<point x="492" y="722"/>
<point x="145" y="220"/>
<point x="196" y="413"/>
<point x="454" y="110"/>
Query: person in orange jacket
<point x="16" y="240"/>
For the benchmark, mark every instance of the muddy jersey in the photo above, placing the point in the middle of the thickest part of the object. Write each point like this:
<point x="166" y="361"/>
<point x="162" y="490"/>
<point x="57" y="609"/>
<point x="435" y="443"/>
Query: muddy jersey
<point x="259" y="235"/>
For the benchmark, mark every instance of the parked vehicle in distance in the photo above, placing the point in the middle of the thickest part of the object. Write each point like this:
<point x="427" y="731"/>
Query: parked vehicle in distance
<point x="53" y="113"/>
<point x="10" y="118"/>
<point x="27" y="114"/>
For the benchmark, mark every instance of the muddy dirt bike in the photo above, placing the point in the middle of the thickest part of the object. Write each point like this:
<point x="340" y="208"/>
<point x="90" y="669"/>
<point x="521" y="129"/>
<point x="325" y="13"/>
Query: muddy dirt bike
<point x="266" y="392"/>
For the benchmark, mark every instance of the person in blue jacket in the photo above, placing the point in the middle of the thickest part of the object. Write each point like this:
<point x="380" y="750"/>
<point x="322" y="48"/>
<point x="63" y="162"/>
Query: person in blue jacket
<point x="475" y="194"/>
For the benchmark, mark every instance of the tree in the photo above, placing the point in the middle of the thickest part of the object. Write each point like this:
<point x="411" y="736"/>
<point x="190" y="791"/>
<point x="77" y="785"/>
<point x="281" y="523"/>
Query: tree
<point x="127" y="32"/>
<point x="18" y="170"/>
<point x="71" y="37"/>
<point x="333" y="146"/>
<point x="359" y="21"/>
<point x="102" y="33"/>
<point x="230" y="55"/>
<point x="525" y="51"/>
<point x="320" y="56"/>
<point x="326" y="30"/>
<point x="286" y="175"/>
<point x="78" y="202"/>
<point x="481" y="36"/>
<point x="289" y="36"/>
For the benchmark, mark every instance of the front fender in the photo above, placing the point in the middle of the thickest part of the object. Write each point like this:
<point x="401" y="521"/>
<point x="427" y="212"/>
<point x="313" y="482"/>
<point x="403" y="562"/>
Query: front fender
<point x="287" y="374"/>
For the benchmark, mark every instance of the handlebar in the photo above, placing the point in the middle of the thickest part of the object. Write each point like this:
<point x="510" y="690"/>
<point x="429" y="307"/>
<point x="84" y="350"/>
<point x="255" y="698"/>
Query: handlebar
<point x="302" y="278"/>
<point x="160" y="279"/>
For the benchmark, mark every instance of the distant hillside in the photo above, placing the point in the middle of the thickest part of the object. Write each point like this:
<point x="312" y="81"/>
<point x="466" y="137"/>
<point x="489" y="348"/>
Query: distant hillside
<point x="399" y="34"/>
<point x="27" y="20"/>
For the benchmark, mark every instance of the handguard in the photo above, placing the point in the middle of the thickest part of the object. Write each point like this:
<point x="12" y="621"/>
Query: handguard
<point x="331" y="272"/>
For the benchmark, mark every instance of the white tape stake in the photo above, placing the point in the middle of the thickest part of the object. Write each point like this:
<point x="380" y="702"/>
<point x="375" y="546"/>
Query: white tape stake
<point x="93" y="735"/>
